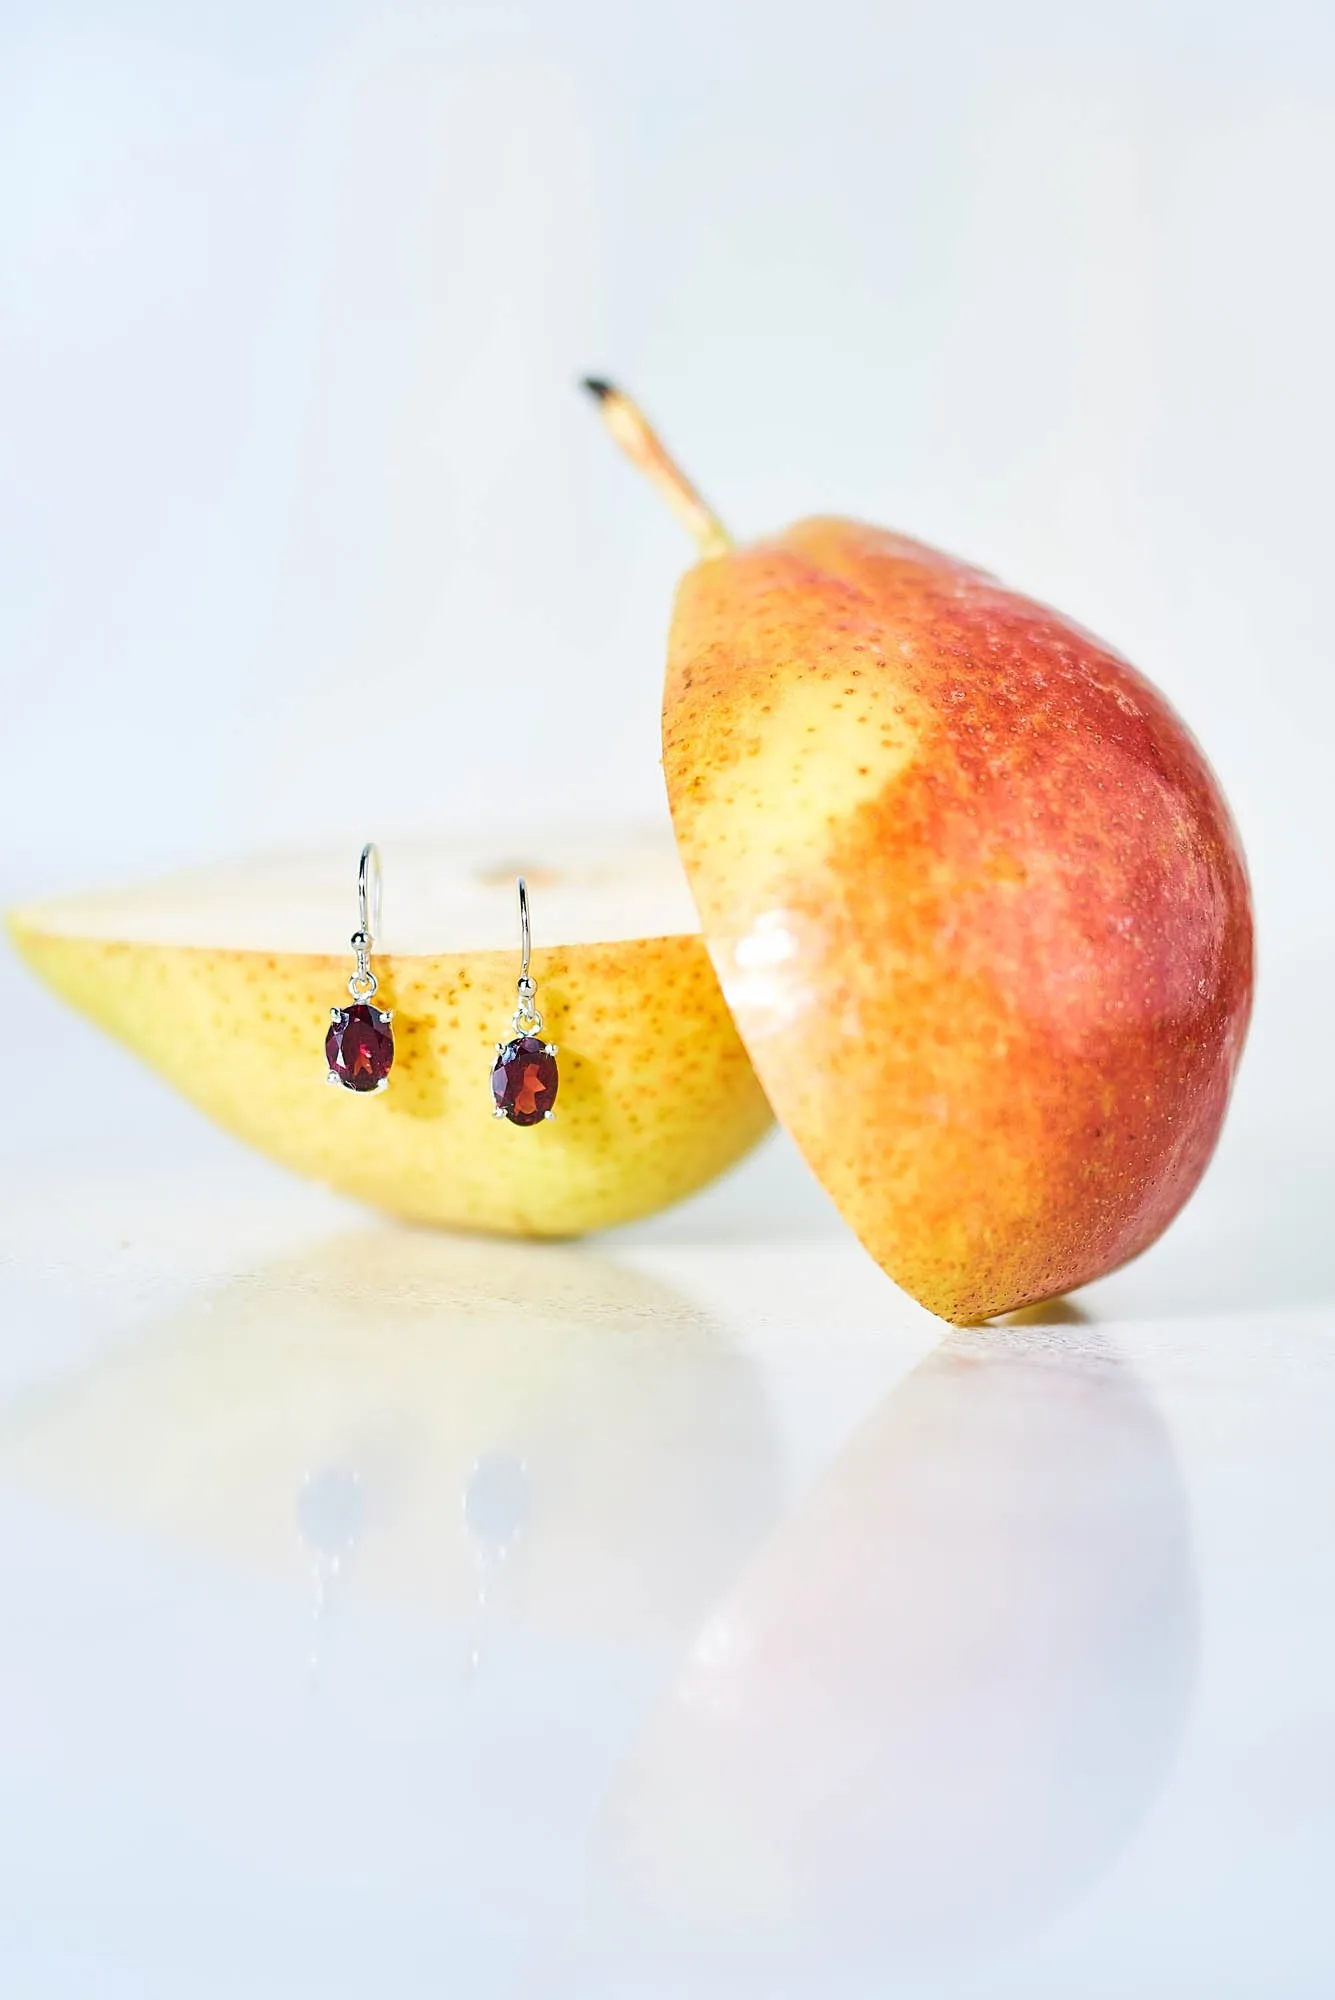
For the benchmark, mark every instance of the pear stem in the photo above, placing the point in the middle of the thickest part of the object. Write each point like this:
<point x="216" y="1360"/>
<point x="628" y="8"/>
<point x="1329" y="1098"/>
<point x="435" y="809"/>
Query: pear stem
<point x="643" y="447"/>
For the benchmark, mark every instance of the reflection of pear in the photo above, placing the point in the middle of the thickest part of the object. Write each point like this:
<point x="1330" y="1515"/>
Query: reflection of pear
<point x="438" y="1404"/>
<point x="945" y="1691"/>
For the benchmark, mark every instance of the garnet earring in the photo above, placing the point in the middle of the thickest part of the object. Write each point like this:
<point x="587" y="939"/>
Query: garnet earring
<point x="359" y="1047"/>
<point x="523" y="1076"/>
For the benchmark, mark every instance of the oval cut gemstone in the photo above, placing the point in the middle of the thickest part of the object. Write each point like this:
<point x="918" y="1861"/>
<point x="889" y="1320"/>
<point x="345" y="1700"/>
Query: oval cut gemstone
<point x="523" y="1080"/>
<point x="359" y="1047"/>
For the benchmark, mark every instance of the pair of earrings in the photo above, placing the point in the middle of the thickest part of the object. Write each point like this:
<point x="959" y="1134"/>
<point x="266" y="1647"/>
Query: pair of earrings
<point x="359" y="1047"/>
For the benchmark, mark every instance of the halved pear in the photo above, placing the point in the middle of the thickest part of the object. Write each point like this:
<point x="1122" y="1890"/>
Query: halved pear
<point x="223" y="981"/>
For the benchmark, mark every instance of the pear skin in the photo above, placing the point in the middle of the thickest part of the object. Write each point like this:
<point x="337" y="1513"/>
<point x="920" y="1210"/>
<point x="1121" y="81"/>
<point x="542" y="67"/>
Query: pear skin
<point x="972" y="892"/>
<point x="975" y="901"/>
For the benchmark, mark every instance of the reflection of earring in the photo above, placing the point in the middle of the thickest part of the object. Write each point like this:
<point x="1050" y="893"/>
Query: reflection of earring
<point x="523" y="1076"/>
<point x="331" y="1510"/>
<point x="497" y="1508"/>
<point x="359" y="1047"/>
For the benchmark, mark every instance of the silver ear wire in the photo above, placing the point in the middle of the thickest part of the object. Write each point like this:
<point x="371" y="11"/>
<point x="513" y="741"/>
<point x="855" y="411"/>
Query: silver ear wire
<point x="528" y="1021"/>
<point x="368" y="909"/>
<point x="363" y="982"/>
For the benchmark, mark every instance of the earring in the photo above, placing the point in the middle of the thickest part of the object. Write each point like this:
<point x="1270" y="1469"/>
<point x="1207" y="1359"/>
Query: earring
<point x="359" y="1047"/>
<point x="523" y="1076"/>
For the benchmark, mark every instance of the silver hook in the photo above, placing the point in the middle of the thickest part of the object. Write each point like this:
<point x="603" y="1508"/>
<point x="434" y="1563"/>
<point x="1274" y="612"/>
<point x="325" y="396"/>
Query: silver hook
<point x="368" y="908"/>
<point x="363" y="983"/>
<point x="528" y="1021"/>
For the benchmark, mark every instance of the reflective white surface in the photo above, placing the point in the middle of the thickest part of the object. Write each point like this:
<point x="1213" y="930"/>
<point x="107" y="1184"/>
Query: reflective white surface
<point x="684" y="1614"/>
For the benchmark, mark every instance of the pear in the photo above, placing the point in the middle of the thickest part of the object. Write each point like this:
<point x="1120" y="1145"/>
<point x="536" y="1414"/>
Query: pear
<point x="223" y="981"/>
<point x="972" y="892"/>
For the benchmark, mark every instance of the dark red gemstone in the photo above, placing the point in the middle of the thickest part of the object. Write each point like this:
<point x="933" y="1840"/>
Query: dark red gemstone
<point x="523" y="1080"/>
<point x="359" y="1047"/>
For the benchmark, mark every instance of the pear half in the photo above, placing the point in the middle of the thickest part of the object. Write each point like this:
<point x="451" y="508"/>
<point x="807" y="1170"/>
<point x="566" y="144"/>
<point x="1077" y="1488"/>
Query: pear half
<point x="972" y="891"/>
<point x="223" y="981"/>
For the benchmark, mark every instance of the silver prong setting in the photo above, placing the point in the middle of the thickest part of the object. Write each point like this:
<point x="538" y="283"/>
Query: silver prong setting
<point x="551" y="1048"/>
<point x="548" y="1115"/>
<point x="332" y="1077"/>
<point x="383" y="1084"/>
<point x="497" y="1112"/>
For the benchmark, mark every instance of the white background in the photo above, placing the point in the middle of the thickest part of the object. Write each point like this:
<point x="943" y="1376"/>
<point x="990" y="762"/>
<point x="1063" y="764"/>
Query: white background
<point x="305" y="530"/>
